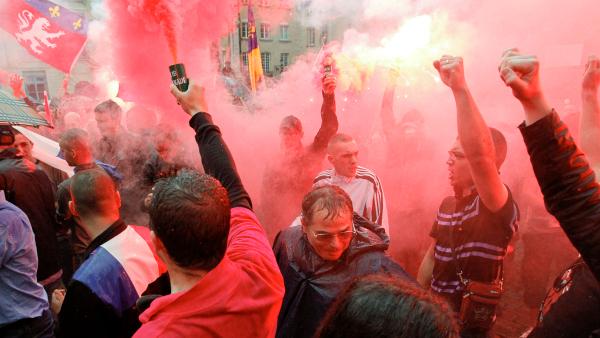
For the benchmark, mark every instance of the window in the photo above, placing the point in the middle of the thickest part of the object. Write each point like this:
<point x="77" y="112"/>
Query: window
<point x="324" y="36"/>
<point x="283" y="32"/>
<point x="244" y="30"/>
<point x="35" y="84"/>
<point x="310" y="33"/>
<point x="284" y="59"/>
<point x="266" y="61"/>
<point x="245" y="58"/>
<point x="265" y="31"/>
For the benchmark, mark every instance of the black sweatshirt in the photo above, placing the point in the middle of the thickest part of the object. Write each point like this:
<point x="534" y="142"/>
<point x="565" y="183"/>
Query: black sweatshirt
<point x="217" y="160"/>
<point x="572" y="195"/>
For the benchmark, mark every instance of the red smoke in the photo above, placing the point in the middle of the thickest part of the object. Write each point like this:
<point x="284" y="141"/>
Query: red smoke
<point x="139" y="56"/>
<point x="161" y="12"/>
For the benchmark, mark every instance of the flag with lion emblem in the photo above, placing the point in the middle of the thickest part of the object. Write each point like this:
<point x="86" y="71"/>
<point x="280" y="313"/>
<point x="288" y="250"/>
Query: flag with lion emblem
<point x="50" y="32"/>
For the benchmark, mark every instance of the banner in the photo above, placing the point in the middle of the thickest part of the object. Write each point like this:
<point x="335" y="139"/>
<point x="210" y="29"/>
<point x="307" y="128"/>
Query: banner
<point x="254" y="62"/>
<point x="51" y="33"/>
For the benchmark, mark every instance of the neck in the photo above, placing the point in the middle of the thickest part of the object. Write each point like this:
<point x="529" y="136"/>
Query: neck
<point x="460" y="192"/>
<point x="183" y="279"/>
<point x="85" y="163"/>
<point x="95" y="225"/>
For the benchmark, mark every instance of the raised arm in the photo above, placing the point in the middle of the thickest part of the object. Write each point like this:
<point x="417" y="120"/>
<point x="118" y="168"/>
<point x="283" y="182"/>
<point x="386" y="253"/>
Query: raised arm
<point x="474" y="135"/>
<point x="388" y="122"/>
<point x="570" y="190"/>
<point x="329" y="121"/>
<point x="590" y="112"/>
<point x="216" y="158"/>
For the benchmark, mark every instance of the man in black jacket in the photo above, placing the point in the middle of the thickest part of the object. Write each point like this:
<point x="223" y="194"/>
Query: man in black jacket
<point x="571" y="194"/>
<point x="317" y="259"/>
<point x="118" y="264"/>
<point x="30" y="189"/>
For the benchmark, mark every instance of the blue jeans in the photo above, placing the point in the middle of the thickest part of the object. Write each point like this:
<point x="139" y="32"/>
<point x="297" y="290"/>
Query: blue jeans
<point x="40" y="327"/>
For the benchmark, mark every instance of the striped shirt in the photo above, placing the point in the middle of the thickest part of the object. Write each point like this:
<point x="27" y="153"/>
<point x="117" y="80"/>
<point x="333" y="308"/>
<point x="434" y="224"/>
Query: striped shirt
<point x="365" y="192"/>
<point x="477" y="236"/>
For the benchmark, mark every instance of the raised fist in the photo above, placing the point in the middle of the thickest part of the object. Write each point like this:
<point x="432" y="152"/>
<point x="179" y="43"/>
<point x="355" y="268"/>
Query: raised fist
<point x="591" y="76"/>
<point x="329" y="83"/>
<point x="521" y="73"/>
<point x="451" y="71"/>
<point x="192" y="101"/>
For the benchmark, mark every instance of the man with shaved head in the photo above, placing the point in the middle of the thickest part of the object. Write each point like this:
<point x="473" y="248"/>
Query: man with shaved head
<point x="361" y="184"/>
<point x="77" y="151"/>
<point x="118" y="264"/>
<point x="474" y="227"/>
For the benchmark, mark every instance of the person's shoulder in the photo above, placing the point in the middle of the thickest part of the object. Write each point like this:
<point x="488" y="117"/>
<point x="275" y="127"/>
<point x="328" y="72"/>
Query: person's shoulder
<point x="289" y="235"/>
<point x="367" y="174"/>
<point x="10" y="213"/>
<point x="324" y="175"/>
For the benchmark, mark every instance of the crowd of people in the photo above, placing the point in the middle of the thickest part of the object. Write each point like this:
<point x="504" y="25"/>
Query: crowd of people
<point x="139" y="242"/>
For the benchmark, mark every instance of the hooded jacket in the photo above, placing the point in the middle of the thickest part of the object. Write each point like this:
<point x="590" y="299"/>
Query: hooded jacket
<point x="311" y="283"/>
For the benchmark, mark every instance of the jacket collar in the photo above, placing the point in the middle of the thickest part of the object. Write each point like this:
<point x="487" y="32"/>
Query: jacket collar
<point x="112" y="231"/>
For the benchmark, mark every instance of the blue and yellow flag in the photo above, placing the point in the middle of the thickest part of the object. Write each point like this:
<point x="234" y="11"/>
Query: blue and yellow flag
<point x="254" y="62"/>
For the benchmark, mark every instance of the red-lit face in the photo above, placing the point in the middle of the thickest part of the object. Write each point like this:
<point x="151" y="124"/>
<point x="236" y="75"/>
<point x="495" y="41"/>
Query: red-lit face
<point x="23" y="146"/>
<point x="329" y="237"/>
<point x="344" y="157"/>
<point x="68" y="154"/>
<point x="290" y="138"/>
<point x="107" y="125"/>
<point x="458" y="167"/>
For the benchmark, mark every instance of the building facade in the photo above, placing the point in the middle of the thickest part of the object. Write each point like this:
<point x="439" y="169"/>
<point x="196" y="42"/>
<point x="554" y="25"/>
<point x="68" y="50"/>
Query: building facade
<point x="283" y="31"/>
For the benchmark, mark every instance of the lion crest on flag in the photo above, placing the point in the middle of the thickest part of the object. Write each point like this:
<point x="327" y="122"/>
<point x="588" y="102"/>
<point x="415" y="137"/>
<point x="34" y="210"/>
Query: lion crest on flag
<point x="35" y="32"/>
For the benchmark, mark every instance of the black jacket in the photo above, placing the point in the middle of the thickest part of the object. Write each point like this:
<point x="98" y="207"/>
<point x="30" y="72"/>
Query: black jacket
<point x="311" y="283"/>
<point x="572" y="195"/>
<point x="32" y="192"/>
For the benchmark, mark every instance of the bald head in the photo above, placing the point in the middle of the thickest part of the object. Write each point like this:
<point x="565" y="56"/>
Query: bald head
<point x="94" y="194"/>
<point x="342" y="153"/>
<point x="336" y="140"/>
<point x="75" y="146"/>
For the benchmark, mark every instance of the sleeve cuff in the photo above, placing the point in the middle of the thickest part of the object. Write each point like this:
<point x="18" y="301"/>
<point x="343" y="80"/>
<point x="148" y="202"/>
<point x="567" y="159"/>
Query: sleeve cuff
<point x="200" y="119"/>
<point x="543" y="128"/>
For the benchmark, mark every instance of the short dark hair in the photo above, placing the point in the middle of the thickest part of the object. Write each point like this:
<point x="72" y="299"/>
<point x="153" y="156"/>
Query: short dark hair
<point x="109" y="107"/>
<point x="94" y="193"/>
<point x="338" y="138"/>
<point x="330" y="198"/>
<point x="291" y="122"/>
<point x="383" y="306"/>
<point x="499" y="145"/>
<point x="190" y="214"/>
<point x="75" y="138"/>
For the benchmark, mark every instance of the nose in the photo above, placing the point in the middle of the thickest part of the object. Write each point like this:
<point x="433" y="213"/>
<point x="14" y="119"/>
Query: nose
<point x="354" y="159"/>
<point x="335" y="243"/>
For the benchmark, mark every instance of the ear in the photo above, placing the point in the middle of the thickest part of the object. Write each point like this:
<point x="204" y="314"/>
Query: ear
<point x="304" y="224"/>
<point x="330" y="158"/>
<point x="118" y="199"/>
<point x="159" y="247"/>
<point x="73" y="209"/>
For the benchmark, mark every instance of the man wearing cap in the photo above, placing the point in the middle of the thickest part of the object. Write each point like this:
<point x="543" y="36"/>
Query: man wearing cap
<point x="290" y="177"/>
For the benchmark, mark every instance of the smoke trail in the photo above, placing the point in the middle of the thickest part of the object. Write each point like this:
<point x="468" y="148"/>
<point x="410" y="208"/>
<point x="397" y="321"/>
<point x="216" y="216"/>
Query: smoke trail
<point x="160" y="12"/>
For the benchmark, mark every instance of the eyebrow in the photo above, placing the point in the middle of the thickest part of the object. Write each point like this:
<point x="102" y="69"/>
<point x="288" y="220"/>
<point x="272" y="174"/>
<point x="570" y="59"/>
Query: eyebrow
<point x="349" y="228"/>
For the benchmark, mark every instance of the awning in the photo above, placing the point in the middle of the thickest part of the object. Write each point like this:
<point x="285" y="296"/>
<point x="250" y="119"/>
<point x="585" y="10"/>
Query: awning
<point x="17" y="112"/>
